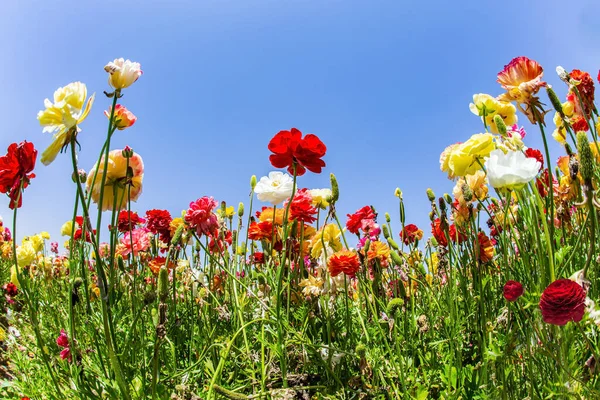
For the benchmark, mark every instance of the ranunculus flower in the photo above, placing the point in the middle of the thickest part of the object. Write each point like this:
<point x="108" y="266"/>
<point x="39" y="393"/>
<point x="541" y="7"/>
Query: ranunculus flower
<point x="522" y="78"/>
<point x="119" y="182"/>
<point x="122" y="73"/>
<point x="128" y="220"/>
<point x="486" y="248"/>
<point x="512" y="290"/>
<point x="274" y="188"/>
<point x="488" y="106"/>
<point x="586" y="91"/>
<point x="261" y="230"/>
<point x="321" y="197"/>
<point x="410" y="234"/>
<point x="301" y="208"/>
<point x="467" y="157"/>
<point x="200" y="216"/>
<point x="355" y="221"/>
<point x="512" y="170"/>
<point x="159" y="223"/>
<point x="536" y="155"/>
<point x="62" y="116"/>
<point x="133" y="242"/>
<point x="290" y="148"/>
<point x="122" y="118"/>
<point x="343" y="261"/>
<point x="16" y="167"/>
<point x="563" y="301"/>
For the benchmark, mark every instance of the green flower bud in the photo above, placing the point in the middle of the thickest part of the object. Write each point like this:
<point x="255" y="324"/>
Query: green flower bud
<point x="467" y="192"/>
<point x="442" y="204"/>
<point x="430" y="195"/>
<point x="568" y="149"/>
<point x="240" y="210"/>
<point x="335" y="190"/>
<point x="253" y="182"/>
<point x="81" y="175"/>
<point x="396" y="258"/>
<point x="127" y="152"/>
<point x="386" y="231"/>
<point x="394" y="306"/>
<point x="448" y="198"/>
<point x="163" y="284"/>
<point x="555" y="100"/>
<point x="77" y="282"/>
<point x="177" y="235"/>
<point x="433" y="241"/>
<point x="361" y="350"/>
<point x="387" y="217"/>
<point x="500" y="125"/>
<point x="586" y="158"/>
<point x="393" y="244"/>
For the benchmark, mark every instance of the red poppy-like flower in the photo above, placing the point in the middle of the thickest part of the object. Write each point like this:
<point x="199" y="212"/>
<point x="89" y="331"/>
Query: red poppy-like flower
<point x="585" y="89"/>
<point x="355" y="221"/>
<point x="260" y="230"/>
<point x="11" y="289"/>
<point x="563" y="301"/>
<point x="159" y="223"/>
<point x="289" y="148"/>
<point x="486" y="248"/>
<point x="579" y="124"/>
<point x="16" y="167"/>
<point x="512" y="290"/>
<point x="301" y="208"/>
<point x="535" y="154"/>
<point x="129" y="220"/>
<point x="456" y="235"/>
<point x="79" y="233"/>
<point x="222" y="241"/>
<point x="258" y="258"/>
<point x="438" y="232"/>
<point x="200" y="216"/>
<point x="343" y="261"/>
<point x="410" y="234"/>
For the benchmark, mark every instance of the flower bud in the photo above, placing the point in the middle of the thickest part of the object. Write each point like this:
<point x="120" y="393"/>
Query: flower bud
<point x="393" y="243"/>
<point x="335" y="190"/>
<point x="555" y="101"/>
<point x="396" y="258"/>
<point x="586" y="158"/>
<point x="361" y="350"/>
<point x="448" y="198"/>
<point x="163" y="284"/>
<point x="127" y="152"/>
<point x="568" y="149"/>
<point x="500" y="125"/>
<point x="386" y="231"/>
<point x="398" y="193"/>
<point x="430" y="195"/>
<point x="433" y="241"/>
<point x="77" y="282"/>
<point x="467" y="192"/>
<point x="562" y="74"/>
<point x="81" y="176"/>
<point x="442" y="204"/>
<point x="394" y="306"/>
<point x="177" y="235"/>
<point x="122" y="117"/>
<point x="253" y="182"/>
<point x="387" y="217"/>
<point x="240" y="210"/>
<point x="431" y="216"/>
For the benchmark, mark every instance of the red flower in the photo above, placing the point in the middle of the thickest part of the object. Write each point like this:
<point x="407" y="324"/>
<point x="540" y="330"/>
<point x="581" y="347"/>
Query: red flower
<point x="158" y="222"/>
<point x="456" y="235"/>
<point x="124" y="220"/>
<point x="586" y="90"/>
<point x="290" y="148"/>
<point x="200" y="216"/>
<point x="355" y="221"/>
<point x="260" y="230"/>
<point x="62" y="340"/>
<point x="222" y="241"/>
<point x="16" y="167"/>
<point x="512" y="290"/>
<point x="11" y="289"/>
<point x="258" y="258"/>
<point x="563" y="301"/>
<point x="301" y="208"/>
<point x="79" y="233"/>
<point x="536" y="154"/>
<point x="343" y="261"/>
<point x="579" y="124"/>
<point x="438" y="233"/>
<point x="486" y="248"/>
<point x="410" y="234"/>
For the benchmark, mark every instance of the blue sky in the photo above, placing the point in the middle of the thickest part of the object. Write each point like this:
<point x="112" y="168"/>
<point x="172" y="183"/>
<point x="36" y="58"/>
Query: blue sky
<point x="385" y="84"/>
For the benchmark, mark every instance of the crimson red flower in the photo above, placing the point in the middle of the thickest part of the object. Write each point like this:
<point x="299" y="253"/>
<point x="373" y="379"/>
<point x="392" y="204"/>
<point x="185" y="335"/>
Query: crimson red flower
<point x="563" y="301"/>
<point x="290" y="148"/>
<point x="586" y="90"/>
<point x="579" y="124"/>
<point x="343" y="261"/>
<point x="512" y="290"/>
<point x="258" y="258"/>
<point x="11" y="289"/>
<point x="438" y="232"/>
<point x="16" y="167"/>
<point x="355" y="221"/>
<point x="221" y="242"/>
<point x="79" y="233"/>
<point x="535" y="154"/>
<point x="200" y="216"/>
<point x="126" y="217"/>
<point x="158" y="222"/>
<point x="410" y="234"/>
<point x="260" y="230"/>
<point x="301" y="208"/>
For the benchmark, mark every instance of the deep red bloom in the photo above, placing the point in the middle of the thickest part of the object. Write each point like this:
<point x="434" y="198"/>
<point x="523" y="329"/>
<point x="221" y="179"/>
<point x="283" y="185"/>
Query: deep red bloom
<point x="456" y="235"/>
<point x="158" y="222"/>
<point x="124" y="220"/>
<point x="62" y="340"/>
<point x="301" y="208"/>
<point x="16" y="167"/>
<point x="563" y="301"/>
<point x="438" y="232"/>
<point x="536" y="154"/>
<point x="586" y="90"/>
<point x="79" y="233"/>
<point x="355" y="221"/>
<point x="223" y="240"/>
<point x="579" y="124"/>
<point x="410" y="234"/>
<point x="289" y="148"/>
<point x="11" y="289"/>
<point x="512" y="290"/>
<point x="258" y="258"/>
<point x="200" y="216"/>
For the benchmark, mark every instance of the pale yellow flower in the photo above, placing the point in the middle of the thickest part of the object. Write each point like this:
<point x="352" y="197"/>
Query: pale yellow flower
<point x="67" y="228"/>
<point x="313" y="286"/>
<point x="467" y="158"/>
<point x="488" y="106"/>
<point x="62" y="116"/>
<point x="25" y="254"/>
<point x="122" y="73"/>
<point x="330" y="236"/>
<point x="320" y="197"/>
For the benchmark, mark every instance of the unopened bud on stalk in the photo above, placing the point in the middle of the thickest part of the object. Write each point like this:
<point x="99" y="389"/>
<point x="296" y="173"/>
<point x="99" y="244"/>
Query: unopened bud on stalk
<point x="163" y="284"/>
<point x="448" y="198"/>
<point x="430" y="195"/>
<point x="555" y="100"/>
<point x="234" y="236"/>
<point x="253" y="182"/>
<point x="500" y="125"/>
<point x="562" y="74"/>
<point x="396" y="258"/>
<point x="467" y="192"/>
<point x="433" y="241"/>
<point x="177" y="235"/>
<point x="335" y="190"/>
<point x="398" y="193"/>
<point x="568" y="149"/>
<point x="127" y="152"/>
<point x="367" y="245"/>
<point x="442" y="204"/>
<point x="77" y="282"/>
<point x="386" y="231"/>
<point x="240" y="210"/>
<point x="394" y="306"/>
<point x="431" y="216"/>
<point x="387" y="217"/>
<point x="361" y="350"/>
<point x="573" y="167"/>
<point x="81" y="176"/>
<point x="393" y="243"/>
<point x="586" y="158"/>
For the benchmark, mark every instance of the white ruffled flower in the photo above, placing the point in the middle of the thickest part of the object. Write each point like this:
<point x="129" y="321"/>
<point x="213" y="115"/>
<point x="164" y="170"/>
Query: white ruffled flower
<point x="512" y="170"/>
<point x="274" y="188"/>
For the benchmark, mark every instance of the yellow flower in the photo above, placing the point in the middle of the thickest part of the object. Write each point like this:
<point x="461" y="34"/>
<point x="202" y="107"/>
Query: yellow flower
<point x="119" y="185"/>
<point x="62" y="116"/>
<point x="14" y="277"/>
<point x="25" y="254"/>
<point x="67" y="228"/>
<point x="122" y="73"/>
<point x="379" y="250"/>
<point x="37" y="241"/>
<point x="312" y="285"/>
<point x="467" y="158"/>
<point x="320" y="197"/>
<point x="45" y="235"/>
<point x="228" y="213"/>
<point x="488" y="106"/>
<point x="2" y="334"/>
<point x="433" y="262"/>
<point x="445" y="160"/>
<point x="328" y="234"/>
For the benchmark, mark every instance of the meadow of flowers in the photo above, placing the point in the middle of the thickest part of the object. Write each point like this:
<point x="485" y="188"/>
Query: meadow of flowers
<point x="494" y="300"/>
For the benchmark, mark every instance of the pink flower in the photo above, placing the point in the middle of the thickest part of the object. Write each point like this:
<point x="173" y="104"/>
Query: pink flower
<point x="200" y="216"/>
<point x="65" y="354"/>
<point x="122" y="118"/>
<point x="136" y="241"/>
<point x="62" y="340"/>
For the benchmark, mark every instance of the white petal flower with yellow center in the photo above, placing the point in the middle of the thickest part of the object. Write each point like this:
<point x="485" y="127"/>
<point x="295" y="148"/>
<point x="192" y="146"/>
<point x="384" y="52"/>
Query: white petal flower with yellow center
<point x="274" y="188"/>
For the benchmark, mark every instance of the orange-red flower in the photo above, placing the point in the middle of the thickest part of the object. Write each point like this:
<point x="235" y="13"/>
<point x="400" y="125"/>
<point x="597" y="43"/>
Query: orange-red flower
<point x="355" y="221"/>
<point x="343" y="261"/>
<point x="291" y="149"/>
<point x="157" y="262"/>
<point x="522" y="78"/>
<point x="301" y="208"/>
<point x="410" y="234"/>
<point x="16" y="171"/>
<point x="586" y="91"/>
<point x="260" y="230"/>
<point x="486" y="248"/>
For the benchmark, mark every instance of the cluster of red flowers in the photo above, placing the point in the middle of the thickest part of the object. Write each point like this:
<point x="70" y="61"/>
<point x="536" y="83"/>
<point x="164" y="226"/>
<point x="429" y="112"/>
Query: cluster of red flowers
<point x="411" y="234"/>
<point x="438" y="233"/>
<point x="129" y="220"/>
<point x="297" y="153"/>
<point x="301" y="208"/>
<point x="563" y="301"/>
<point x="63" y="341"/>
<point x="158" y="222"/>
<point x="16" y="171"/>
<point x="356" y="220"/>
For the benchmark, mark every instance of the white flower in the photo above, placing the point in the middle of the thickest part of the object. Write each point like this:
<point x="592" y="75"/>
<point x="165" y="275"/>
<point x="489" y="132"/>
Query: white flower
<point x="321" y="197"/>
<point x="274" y="188"/>
<point x="122" y="73"/>
<point x="512" y="170"/>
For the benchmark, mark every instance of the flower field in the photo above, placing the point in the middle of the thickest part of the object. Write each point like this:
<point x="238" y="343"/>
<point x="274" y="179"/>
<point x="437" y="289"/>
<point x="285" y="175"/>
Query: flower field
<point x="281" y="297"/>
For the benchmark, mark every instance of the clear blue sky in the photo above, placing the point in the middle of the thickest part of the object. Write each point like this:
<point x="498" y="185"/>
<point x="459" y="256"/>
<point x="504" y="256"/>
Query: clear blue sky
<point x="385" y="84"/>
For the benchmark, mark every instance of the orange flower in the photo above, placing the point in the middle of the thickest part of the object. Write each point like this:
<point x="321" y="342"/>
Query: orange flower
<point x="266" y="214"/>
<point x="486" y="248"/>
<point x="345" y="261"/>
<point x="157" y="262"/>
<point x="260" y="230"/>
<point x="379" y="250"/>
<point x="522" y="79"/>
